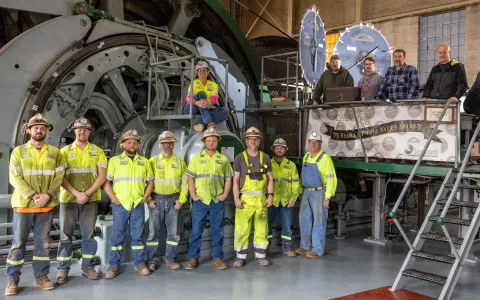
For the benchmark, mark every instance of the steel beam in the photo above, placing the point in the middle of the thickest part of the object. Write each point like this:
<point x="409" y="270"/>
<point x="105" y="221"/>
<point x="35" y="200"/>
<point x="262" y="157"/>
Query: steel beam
<point x="113" y="7"/>
<point x="378" y="213"/>
<point x="51" y="7"/>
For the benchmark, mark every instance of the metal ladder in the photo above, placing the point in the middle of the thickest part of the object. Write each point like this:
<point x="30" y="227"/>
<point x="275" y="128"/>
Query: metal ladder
<point x="459" y="247"/>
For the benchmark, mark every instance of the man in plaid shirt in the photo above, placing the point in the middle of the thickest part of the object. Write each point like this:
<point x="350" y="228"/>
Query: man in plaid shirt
<point x="400" y="81"/>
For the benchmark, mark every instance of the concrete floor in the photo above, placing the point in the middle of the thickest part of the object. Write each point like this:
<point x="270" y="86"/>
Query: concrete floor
<point x="350" y="266"/>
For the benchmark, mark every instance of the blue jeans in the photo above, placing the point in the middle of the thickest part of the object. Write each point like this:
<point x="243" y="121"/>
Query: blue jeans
<point x="164" y="211"/>
<point x="313" y="222"/>
<point x="286" y="220"/>
<point x="86" y="215"/>
<point x="199" y="215"/>
<point x="121" y="219"/>
<point x="23" y="223"/>
<point x="214" y="114"/>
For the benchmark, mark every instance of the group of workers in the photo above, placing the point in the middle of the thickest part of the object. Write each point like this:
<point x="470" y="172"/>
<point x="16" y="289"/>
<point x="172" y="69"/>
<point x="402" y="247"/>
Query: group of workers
<point x="447" y="79"/>
<point x="45" y="177"/>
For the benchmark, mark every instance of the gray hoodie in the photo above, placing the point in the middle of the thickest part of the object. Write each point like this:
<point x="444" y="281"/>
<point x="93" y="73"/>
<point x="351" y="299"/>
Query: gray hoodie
<point x="369" y="85"/>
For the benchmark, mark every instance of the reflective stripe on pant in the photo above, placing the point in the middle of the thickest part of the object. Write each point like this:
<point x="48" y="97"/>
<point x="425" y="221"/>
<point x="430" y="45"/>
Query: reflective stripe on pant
<point x="121" y="219"/>
<point x="313" y="221"/>
<point x="22" y="225"/>
<point x="285" y="214"/>
<point x="199" y="215"/>
<point x="254" y="207"/>
<point x="165" y="211"/>
<point x="86" y="215"/>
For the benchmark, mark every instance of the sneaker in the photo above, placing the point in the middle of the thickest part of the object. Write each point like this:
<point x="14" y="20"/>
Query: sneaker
<point x="239" y="262"/>
<point x="62" y="276"/>
<point x="44" y="283"/>
<point x="313" y="255"/>
<point x="300" y="251"/>
<point x="289" y="253"/>
<point x="90" y="273"/>
<point x="152" y="266"/>
<point x="142" y="269"/>
<point x="173" y="265"/>
<point x="219" y="264"/>
<point x="11" y="288"/>
<point x="198" y="127"/>
<point x="192" y="264"/>
<point x="263" y="262"/>
<point x="112" y="272"/>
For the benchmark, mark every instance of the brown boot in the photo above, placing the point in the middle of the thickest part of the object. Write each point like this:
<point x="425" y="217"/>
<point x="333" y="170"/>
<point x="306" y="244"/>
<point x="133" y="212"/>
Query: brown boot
<point x="173" y="265"/>
<point x="239" y="262"/>
<point x="44" y="283"/>
<point x="289" y="253"/>
<point x="112" y="272"/>
<point x="192" y="264"/>
<point x="313" y="255"/>
<point x="152" y="266"/>
<point x="219" y="264"/>
<point x="300" y="251"/>
<point x="198" y="127"/>
<point x="62" y="276"/>
<point x="142" y="270"/>
<point x="11" y="288"/>
<point x="90" y="273"/>
<point x="263" y="262"/>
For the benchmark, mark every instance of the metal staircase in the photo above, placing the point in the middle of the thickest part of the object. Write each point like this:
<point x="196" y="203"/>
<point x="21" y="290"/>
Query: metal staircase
<point x="447" y="197"/>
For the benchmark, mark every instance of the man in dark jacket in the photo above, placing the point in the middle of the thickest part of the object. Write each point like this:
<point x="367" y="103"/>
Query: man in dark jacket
<point x="336" y="76"/>
<point x="448" y="79"/>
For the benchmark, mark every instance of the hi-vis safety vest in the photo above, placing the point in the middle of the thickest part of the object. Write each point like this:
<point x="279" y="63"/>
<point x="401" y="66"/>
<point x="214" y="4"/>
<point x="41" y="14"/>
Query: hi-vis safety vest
<point x="81" y="169"/>
<point x="129" y="178"/>
<point x="210" y="174"/>
<point x="210" y="88"/>
<point x="286" y="182"/>
<point x="326" y="169"/>
<point x="35" y="172"/>
<point x="170" y="176"/>
<point x="255" y="182"/>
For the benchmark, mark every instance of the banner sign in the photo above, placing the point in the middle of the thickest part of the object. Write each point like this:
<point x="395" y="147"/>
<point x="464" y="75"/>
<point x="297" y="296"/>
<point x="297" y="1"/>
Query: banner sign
<point x="393" y="132"/>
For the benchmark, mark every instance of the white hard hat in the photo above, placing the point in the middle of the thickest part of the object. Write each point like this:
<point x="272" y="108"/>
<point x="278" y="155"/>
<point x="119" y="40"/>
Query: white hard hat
<point x="201" y="64"/>
<point x="315" y="136"/>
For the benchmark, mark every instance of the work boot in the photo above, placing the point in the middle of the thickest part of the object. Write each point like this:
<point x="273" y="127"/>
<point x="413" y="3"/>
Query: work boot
<point x="62" y="276"/>
<point x="173" y="265"/>
<point x="11" y="288"/>
<point x="44" y="283"/>
<point x="198" y="127"/>
<point x="192" y="264"/>
<point x="312" y="254"/>
<point x="300" y="251"/>
<point x="152" y="266"/>
<point x="289" y="253"/>
<point x="239" y="262"/>
<point x="112" y="272"/>
<point x="142" y="269"/>
<point x="263" y="262"/>
<point x="211" y="124"/>
<point x="90" y="273"/>
<point x="220" y="264"/>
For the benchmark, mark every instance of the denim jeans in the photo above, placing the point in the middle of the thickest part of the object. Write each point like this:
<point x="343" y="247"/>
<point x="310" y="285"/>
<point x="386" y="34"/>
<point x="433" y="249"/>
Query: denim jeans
<point x="199" y="215"/>
<point x="214" y="114"/>
<point x="23" y="223"/>
<point x="86" y="215"/>
<point x="165" y="211"/>
<point x="286" y="220"/>
<point x="121" y="219"/>
<point x="313" y="221"/>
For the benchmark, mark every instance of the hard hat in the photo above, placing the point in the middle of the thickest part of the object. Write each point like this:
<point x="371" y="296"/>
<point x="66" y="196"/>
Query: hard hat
<point x="201" y="64"/>
<point x="211" y="132"/>
<point x="315" y="136"/>
<point x="280" y="142"/>
<point x="38" y="119"/>
<point x="130" y="135"/>
<point x="82" y="123"/>
<point x="167" y="137"/>
<point x="252" y="132"/>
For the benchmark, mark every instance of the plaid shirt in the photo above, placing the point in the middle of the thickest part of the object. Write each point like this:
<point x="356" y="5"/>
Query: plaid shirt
<point x="399" y="85"/>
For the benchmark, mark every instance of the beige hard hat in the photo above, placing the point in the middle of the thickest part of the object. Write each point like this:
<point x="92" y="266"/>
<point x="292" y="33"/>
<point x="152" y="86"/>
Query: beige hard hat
<point x="211" y="132"/>
<point x="38" y="119"/>
<point x="130" y="135"/>
<point x="280" y="142"/>
<point x="82" y="123"/>
<point x="252" y="132"/>
<point x="315" y="136"/>
<point x="201" y="64"/>
<point x="167" y="137"/>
